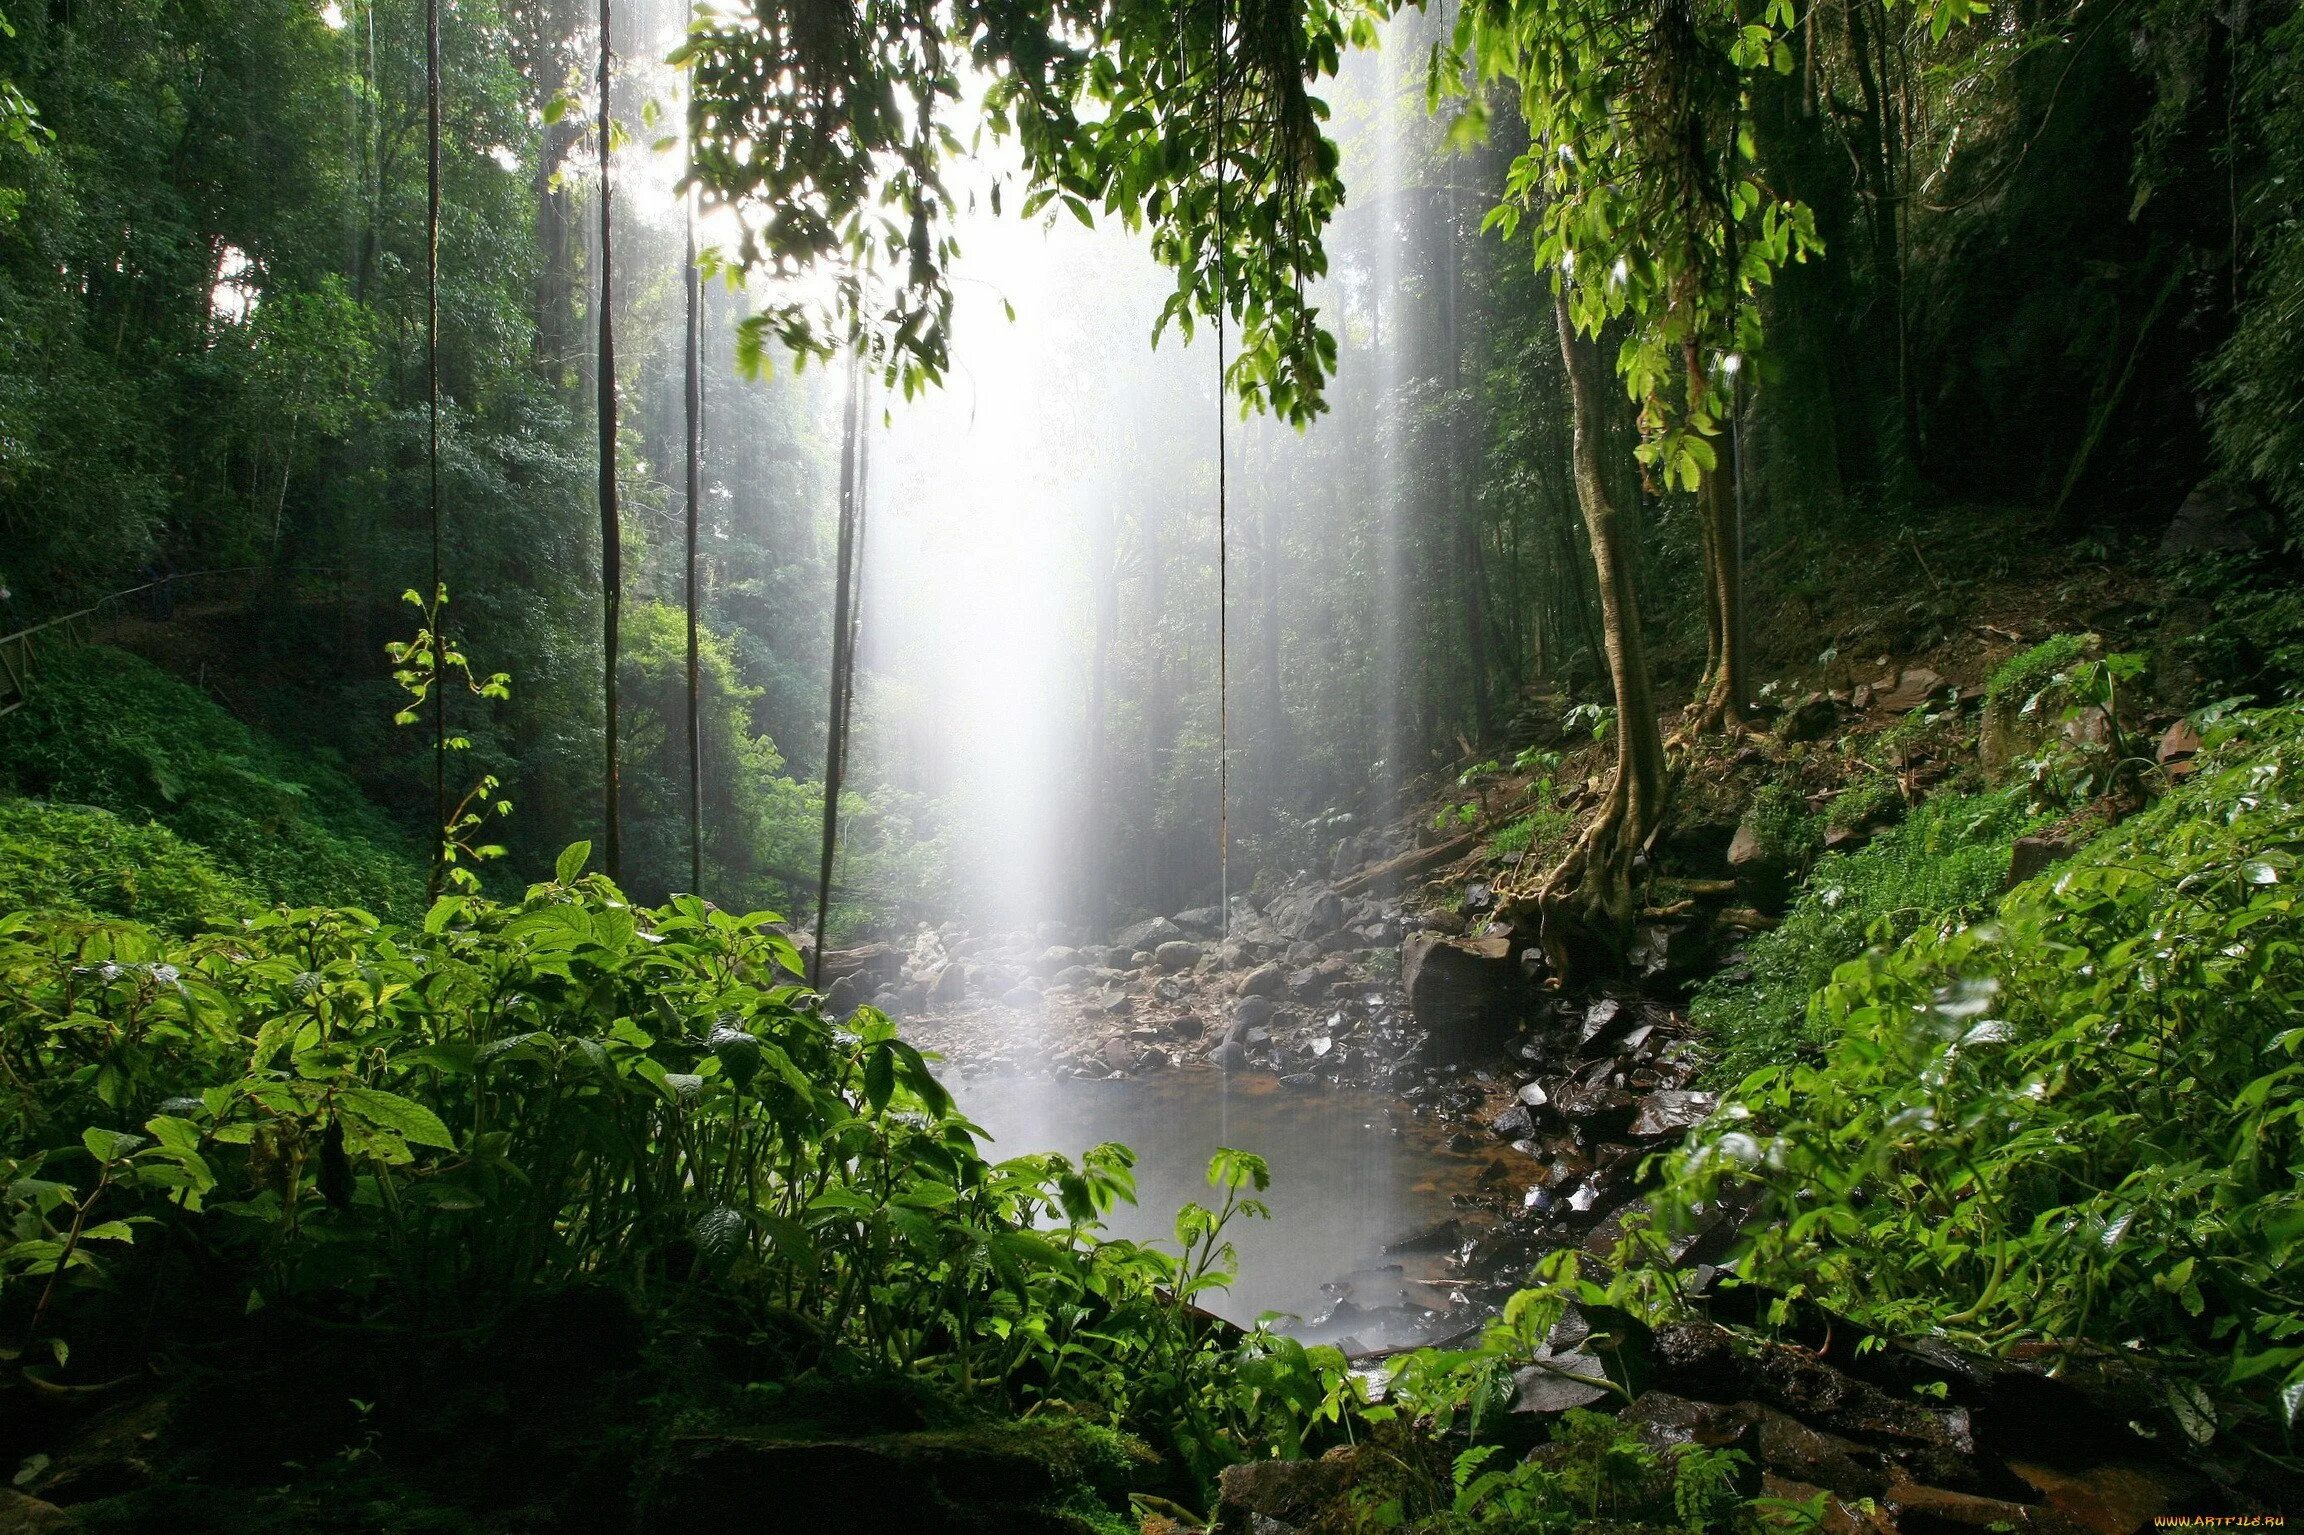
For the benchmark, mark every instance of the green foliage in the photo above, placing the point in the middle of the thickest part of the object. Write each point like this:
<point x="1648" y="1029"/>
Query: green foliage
<point x="74" y="860"/>
<point x="103" y="727"/>
<point x="425" y="666"/>
<point x="2021" y="678"/>
<point x="1948" y="857"/>
<point x="1787" y="829"/>
<point x="2252" y="643"/>
<point x="1871" y="799"/>
<point x="2078" y="1120"/>
<point x="1109" y="106"/>
<point x="433" y="1121"/>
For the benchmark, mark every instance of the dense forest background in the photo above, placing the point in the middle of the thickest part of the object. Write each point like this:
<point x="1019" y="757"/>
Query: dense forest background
<point x="2059" y="267"/>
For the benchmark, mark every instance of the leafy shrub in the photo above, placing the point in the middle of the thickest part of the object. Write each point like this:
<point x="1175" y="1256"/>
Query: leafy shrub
<point x="2252" y="645"/>
<point x="1948" y="856"/>
<point x="2079" y="1120"/>
<point x="105" y="728"/>
<point x="322" y="1111"/>
<point x="77" y="861"/>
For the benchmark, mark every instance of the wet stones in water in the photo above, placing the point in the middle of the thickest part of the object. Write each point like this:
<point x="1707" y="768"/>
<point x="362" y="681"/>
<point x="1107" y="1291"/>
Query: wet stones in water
<point x="1672" y="1112"/>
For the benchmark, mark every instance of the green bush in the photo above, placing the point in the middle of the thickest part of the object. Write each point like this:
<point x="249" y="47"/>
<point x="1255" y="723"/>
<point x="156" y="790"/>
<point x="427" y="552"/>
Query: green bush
<point x="2252" y="645"/>
<point x="1874" y="799"/>
<point x="2080" y="1120"/>
<point x="1948" y="856"/>
<point x="74" y="860"/>
<point x="105" y="728"/>
<point x="1781" y="819"/>
<point x="325" y="1113"/>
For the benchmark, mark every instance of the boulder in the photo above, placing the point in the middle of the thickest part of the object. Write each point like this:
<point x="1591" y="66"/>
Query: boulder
<point x="948" y="987"/>
<point x="2034" y="855"/>
<point x="1910" y="689"/>
<point x="1461" y="990"/>
<point x="1316" y="915"/>
<point x="846" y="994"/>
<point x="1207" y="921"/>
<point x="1252" y="1012"/>
<point x="1290" y="1493"/>
<point x="1149" y="935"/>
<point x="879" y="963"/>
<point x="1176" y="954"/>
<point x="1263" y="981"/>
<point x="1022" y="998"/>
<point x="2214" y="516"/>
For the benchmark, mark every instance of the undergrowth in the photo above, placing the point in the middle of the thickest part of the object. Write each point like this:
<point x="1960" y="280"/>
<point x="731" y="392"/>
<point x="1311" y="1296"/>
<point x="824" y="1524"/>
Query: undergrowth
<point x="75" y="860"/>
<point x="105" y="728"/>
<point x="1949" y="855"/>
<point x="2078" y="1120"/>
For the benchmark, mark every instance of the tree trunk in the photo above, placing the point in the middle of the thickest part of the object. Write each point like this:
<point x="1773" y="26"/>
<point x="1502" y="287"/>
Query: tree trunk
<point x="1584" y="905"/>
<point x="1721" y="696"/>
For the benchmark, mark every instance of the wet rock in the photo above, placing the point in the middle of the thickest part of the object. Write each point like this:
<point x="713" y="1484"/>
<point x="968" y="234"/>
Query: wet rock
<point x="1309" y="984"/>
<point x="1515" y="1123"/>
<point x="1187" y="1026"/>
<point x="1118" y="1055"/>
<point x="1597" y="1113"/>
<point x="1558" y="1382"/>
<point x="1263" y="981"/>
<point x="1292" y="1492"/>
<point x="1149" y="935"/>
<point x="1916" y="1506"/>
<point x="2108" y="1500"/>
<point x="2034" y="855"/>
<point x="1669" y="953"/>
<point x="879" y="964"/>
<point x="948" y="987"/>
<point x="1603" y="1022"/>
<point x="1672" y="1112"/>
<point x="1532" y="1096"/>
<point x="1439" y="1237"/>
<point x="1460" y="990"/>
<point x="1664" y="1420"/>
<point x="1176" y="954"/>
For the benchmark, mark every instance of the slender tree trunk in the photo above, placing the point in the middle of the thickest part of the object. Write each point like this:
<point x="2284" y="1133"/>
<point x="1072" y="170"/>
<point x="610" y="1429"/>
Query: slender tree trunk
<point x="1584" y="905"/>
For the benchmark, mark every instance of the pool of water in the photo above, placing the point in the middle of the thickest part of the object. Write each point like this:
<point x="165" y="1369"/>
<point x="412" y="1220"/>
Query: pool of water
<point x="1354" y="1175"/>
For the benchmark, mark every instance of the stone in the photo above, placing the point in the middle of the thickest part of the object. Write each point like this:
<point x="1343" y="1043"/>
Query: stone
<point x="2178" y="744"/>
<point x="1460" y="990"/>
<point x="2108" y="1500"/>
<point x="22" y="1515"/>
<point x="2034" y="855"/>
<point x="1532" y="1096"/>
<point x="1439" y="1237"/>
<point x="1603" y="1020"/>
<point x="1664" y="1420"/>
<point x="2214" y="516"/>
<point x="1914" y="1505"/>
<point x="1176" y="954"/>
<point x="1309" y="984"/>
<point x="948" y="987"/>
<point x="1252" y="1012"/>
<point x="1558" y="1382"/>
<point x="1207" y="921"/>
<point x="1515" y="1123"/>
<point x="1057" y="957"/>
<point x="1022" y="998"/>
<point x="1148" y="935"/>
<point x="1317" y="916"/>
<point x="1290" y="1491"/>
<point x="1072" y="975"/>
<point x="846" y="994"/>
<point x="1118" y="1055"/>
<point x="879" y="963"/>
<point x="1811" y="719"/>
<point x="1747" y="851"/>
<point x="1597" y="1113"/>
<point x="1913" y="687"/>
<point x="1672" y="1111"/>
<point x="1263" y="981"/>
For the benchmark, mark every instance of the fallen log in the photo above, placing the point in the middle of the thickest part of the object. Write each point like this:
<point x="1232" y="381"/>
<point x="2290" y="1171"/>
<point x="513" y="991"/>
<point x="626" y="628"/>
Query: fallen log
<point x="1413" y="862"/>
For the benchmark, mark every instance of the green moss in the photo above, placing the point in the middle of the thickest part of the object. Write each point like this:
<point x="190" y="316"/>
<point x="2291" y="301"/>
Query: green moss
<point x="1867" y="803"/>
<point x="2028" y="671"/>
<point x="105" y="728"/>
<point x="1787" y="829"/>
<point x="75" y="860"/>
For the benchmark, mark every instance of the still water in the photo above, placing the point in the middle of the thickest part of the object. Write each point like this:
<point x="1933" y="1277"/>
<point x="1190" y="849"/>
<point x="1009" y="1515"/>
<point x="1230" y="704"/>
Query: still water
<point x="1353" y="1174"/>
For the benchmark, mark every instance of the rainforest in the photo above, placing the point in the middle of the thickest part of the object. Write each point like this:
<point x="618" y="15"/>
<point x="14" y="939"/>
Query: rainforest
<point x="1151" y="767"/>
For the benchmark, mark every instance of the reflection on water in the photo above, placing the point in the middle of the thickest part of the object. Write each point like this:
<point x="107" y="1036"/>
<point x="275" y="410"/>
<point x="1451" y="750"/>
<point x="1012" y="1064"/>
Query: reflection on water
<point x="1352" y="1174"/>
